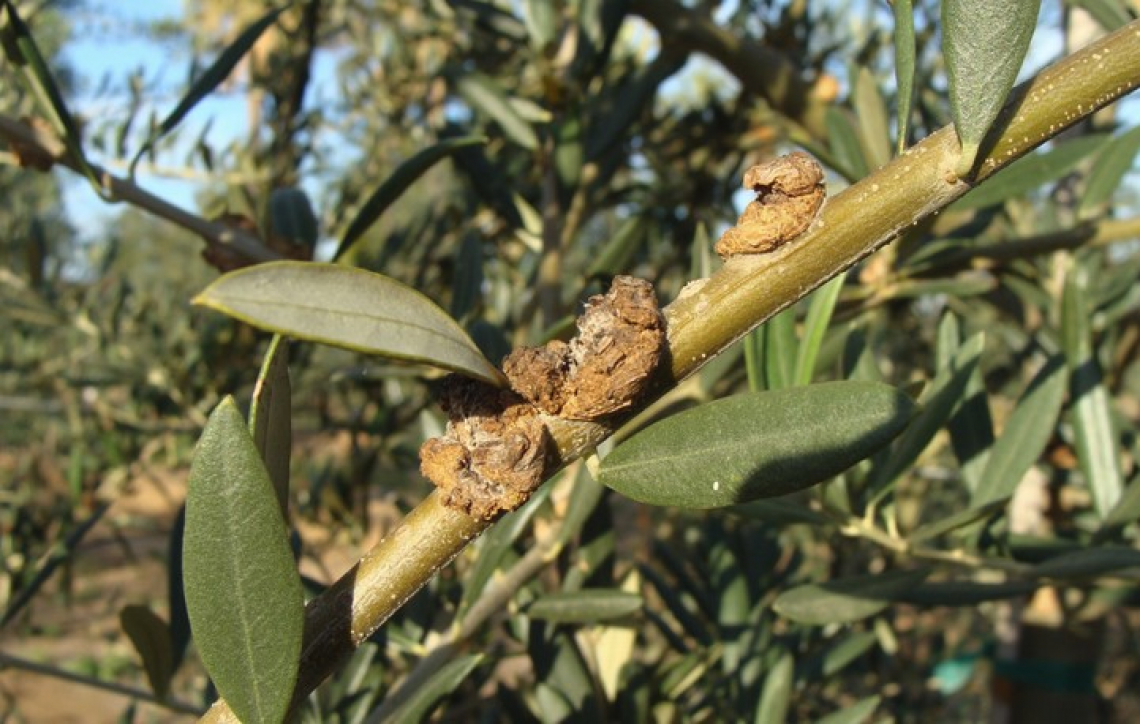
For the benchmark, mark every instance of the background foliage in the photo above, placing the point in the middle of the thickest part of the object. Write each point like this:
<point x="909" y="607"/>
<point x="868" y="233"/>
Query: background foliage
<point x="995" y="534"/>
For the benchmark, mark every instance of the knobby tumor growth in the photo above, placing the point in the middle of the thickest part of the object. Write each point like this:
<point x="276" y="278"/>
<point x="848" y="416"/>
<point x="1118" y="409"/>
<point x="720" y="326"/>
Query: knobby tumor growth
<point x="789" y="193"/>
<point x="494" y="453"/>
<point x="606" y="367"/>
<point x="496" y="449"/>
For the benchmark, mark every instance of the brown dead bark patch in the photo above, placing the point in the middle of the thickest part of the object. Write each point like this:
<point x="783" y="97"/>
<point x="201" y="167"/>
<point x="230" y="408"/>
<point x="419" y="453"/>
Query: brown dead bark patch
<point x="606" y="367"/>
<point x="494" y="453"/>
<point x="789" y="192"/>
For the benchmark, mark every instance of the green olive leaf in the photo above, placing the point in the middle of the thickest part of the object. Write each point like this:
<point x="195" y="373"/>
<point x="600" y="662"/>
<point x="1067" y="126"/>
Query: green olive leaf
<point x="350" y="308"/>
<point x="756" y="445"/>
<point x="984" y="42"/>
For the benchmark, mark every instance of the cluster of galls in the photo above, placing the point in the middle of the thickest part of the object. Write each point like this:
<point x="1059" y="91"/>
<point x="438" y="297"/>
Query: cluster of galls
<point x="496" y="449"/>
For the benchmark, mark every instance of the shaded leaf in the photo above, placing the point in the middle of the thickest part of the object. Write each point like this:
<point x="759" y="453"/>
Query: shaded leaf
<point x="350" y="308"/>
<point x="243" y="593"/>
<point x="972" y="431"/>
<point x="1031" y="172"/>
<point x="964" y="593"/>
<point x="494" y="546"/>
<point x="585" y="605"/>
<point x="984" y="43"/>
<point x="756" y="445"/>
<point x="292" y="218"/>
<point x="271" y="418"/>
<point x="421" y="702"/>
<point x="395" y="185"/>
<point x="1089" y="562"/>
<point x="846" y="599"/>
<point x="211" y="78"/>
<point x="779" y="349"/>
<point x="468" y="286"/>
<point x="179" y="625"/>
<point x="1025" y="436"/>
<point x="568" y="149"/>
<point x="59" y="555"/>
<point x="151" y="638"/>
<point x="957" y="520"/>
<point x="779" y="511"/>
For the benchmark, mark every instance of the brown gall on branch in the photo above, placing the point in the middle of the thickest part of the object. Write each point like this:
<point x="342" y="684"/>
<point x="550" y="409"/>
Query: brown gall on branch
<point x="789" y="193"/>
<point x="606" y="367"/>
<point x="495" y="452"/>
<point x="496" y="449"/>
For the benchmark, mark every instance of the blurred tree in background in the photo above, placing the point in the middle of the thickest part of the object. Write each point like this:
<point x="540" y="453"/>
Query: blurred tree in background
<point x="508" y="160"/>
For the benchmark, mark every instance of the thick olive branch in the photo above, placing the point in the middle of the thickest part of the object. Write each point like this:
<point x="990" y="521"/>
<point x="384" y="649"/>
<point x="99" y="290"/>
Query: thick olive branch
<point x="739" y="297"/>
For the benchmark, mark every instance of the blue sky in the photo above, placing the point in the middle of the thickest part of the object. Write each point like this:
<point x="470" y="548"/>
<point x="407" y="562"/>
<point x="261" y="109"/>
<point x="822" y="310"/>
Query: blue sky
<point x="109" y="42"/>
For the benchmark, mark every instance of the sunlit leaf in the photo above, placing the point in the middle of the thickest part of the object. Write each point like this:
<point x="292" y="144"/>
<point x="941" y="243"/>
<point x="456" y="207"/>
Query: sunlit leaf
<point x="854" y="714"/>
<point x="485" y="95"/>
<point x="843" y="140"/>
<point x="777" y="692"/>
<point x="1126" y="510"/>
<point x="1094" y="435"/>
<point x="984" y="42"/>
<point x="818" y="318"/>
<point x="871" y="110"/>
<point x="756" y="445"/>
<point x="243" y="592"/>
<point x="349" y="308"/>
<point x="904" y="66"/>
<point x="541" y="18"/>
<point x="1025" y="436"/>
<point x="420" y="703"/>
